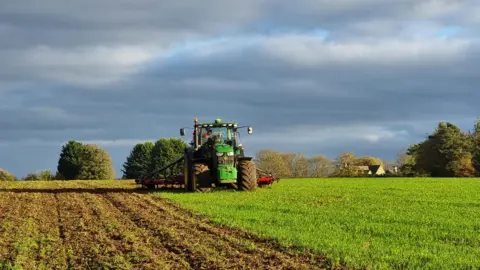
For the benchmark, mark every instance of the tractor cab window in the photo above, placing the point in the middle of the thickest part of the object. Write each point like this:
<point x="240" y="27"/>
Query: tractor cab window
<point x="223" y="134"/>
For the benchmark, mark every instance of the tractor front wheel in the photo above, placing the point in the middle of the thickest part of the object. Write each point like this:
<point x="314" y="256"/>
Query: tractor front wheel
<point x="247" y="175"/>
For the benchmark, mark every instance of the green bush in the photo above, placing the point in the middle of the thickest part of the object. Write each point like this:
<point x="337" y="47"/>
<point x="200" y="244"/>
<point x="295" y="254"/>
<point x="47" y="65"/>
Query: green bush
<point x="6" y="176"/>
<point x="94" y="164"/>
<point x="80" y="161"/>
<point x="42" y="175"/>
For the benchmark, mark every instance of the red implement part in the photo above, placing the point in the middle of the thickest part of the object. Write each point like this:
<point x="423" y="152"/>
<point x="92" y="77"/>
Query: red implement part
<point x="263" y="181"/>
<point x="265" y="178"/>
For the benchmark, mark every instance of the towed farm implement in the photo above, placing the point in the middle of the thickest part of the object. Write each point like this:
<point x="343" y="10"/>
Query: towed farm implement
<point x="214" y="159"/>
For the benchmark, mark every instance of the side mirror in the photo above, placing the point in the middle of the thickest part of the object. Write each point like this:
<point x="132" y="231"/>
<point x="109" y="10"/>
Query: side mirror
<point x="250" y="131"/>
<point x="182" y="132"/>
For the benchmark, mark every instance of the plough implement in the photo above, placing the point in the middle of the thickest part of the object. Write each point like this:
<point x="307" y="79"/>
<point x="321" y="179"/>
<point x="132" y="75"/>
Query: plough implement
<point x="265" y="178"/>
<point x="213" y="159"/>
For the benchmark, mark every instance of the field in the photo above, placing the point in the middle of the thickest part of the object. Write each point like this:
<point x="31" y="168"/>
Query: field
<point x="109" y="225"/>
<point x="383" y="223"/>
<point x="359" y="223"/>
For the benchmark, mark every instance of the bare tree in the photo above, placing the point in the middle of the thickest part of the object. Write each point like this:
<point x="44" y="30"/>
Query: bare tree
<point x="319" y="166"/>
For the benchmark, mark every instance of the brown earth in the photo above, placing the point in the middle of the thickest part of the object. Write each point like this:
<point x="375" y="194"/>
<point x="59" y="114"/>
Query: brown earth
<point x="90" y="225"/>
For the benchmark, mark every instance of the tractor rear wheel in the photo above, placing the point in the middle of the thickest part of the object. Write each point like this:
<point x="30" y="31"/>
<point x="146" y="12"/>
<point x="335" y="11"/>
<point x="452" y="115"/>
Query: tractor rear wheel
<point x="204" y="181"/>
<point x="247" y="175"/>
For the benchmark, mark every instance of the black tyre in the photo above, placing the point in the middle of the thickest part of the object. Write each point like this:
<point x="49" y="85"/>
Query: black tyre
<point x="202" y="176"/>
<point x="247" y="175"/>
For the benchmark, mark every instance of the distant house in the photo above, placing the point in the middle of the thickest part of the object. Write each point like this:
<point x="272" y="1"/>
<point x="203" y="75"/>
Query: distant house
<point x="377" y="169"/>
<point x="372" y="169"/>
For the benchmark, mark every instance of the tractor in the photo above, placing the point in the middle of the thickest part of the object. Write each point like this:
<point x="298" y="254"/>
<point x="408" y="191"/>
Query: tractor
<point x="213" y="159"/>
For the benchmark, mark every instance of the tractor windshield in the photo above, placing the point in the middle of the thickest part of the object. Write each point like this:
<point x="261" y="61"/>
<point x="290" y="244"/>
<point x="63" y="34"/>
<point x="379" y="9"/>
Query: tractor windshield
<point x="223" y="134"/>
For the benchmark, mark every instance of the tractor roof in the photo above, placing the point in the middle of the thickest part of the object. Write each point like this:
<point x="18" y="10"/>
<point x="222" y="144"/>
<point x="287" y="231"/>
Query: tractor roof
<point x="223" y="124"/>
<point x="217" y="123"/>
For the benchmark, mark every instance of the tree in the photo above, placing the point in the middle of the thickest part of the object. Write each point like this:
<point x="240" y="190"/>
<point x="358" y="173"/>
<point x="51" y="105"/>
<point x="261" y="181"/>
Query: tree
<point x="345" y="159"/>
<point x="301" y="166"/>
<point x="68" y="163"/>
<point x="457" y="147"/>
<point x="476" y="147"/>
<point x="165" y="151"/>
<point x="272" y="161"/>
<point x="406" y="160"/>
<point x="6" y="175"/>
<point x="463" y="166"/>
<point x="447" y="152"/>
<point x="402" y="157"/>
<point x="368" y="161"/>
<point x="347" y="171"/>
<point x="59" y="176"/>
<point x="42" y="175"/>
<point x="319" y="165"/>
<point x="138" y="162"/>
<point x="94" y="163"/>
<point x="287" y="168"/>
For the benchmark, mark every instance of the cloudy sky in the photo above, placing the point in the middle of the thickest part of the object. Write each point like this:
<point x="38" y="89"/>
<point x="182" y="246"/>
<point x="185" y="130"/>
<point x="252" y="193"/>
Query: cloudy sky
<point x="313" y="76"/>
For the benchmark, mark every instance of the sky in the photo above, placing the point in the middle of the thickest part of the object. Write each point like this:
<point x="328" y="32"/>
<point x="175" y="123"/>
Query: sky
<point x="312" y="76"/>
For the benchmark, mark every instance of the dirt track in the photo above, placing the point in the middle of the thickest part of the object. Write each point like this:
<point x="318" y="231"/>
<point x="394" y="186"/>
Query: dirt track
<point x="79" y="226"/>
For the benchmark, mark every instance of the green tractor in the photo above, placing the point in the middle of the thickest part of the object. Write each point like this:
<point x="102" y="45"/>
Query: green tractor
<point x="216" y="159"/>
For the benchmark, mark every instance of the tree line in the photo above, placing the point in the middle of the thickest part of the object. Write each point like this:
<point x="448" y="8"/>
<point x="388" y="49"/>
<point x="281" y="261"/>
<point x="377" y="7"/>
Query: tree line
<point x="297" y="165"/>
<point x="79" y="161"/>
<point x="446" y="152"/>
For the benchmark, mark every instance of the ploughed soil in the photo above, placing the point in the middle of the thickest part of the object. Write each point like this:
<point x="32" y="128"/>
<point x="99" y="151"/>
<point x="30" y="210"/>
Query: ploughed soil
<point x="87" y="225"/>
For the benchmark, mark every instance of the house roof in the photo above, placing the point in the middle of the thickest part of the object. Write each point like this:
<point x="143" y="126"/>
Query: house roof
<point x="374" y="168"/>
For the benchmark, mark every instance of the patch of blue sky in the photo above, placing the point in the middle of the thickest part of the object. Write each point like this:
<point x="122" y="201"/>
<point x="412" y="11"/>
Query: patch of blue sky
<point x="448" y="31"/>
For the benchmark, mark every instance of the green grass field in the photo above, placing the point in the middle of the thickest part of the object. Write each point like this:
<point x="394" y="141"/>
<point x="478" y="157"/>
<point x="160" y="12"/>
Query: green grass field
<point x="381" y="223"/>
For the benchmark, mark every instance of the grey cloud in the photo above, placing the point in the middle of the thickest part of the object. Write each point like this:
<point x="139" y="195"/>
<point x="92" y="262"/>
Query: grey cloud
<point x="60" y="24"/>
<point x="108" y="22"/>
<point x="332" y="98"/>
<point x="270" y="86"/>
<point x="364" y="19"/>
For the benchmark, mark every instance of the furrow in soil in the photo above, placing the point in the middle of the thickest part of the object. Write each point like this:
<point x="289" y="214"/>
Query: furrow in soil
<point x="202" y="248"/>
